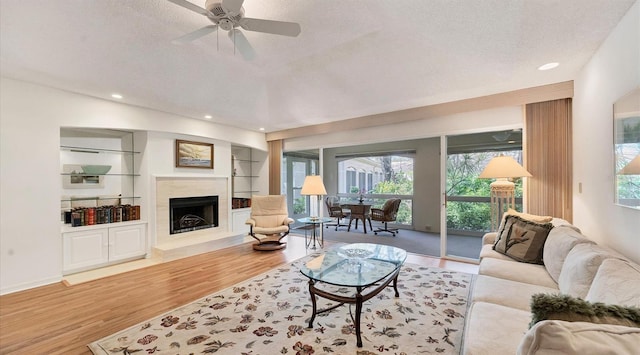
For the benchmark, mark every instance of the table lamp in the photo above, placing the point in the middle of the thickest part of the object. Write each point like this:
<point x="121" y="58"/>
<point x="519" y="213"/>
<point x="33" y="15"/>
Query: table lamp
<point x="313" y="186"/>
<point x="503" y="191"/>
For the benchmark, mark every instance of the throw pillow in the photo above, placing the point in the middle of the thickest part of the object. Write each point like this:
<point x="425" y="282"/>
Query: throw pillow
<point x="579" y="338"/>
<point x="567" y="308"/>
<point x="524" y="240"/>
<point x="527" y="216"/>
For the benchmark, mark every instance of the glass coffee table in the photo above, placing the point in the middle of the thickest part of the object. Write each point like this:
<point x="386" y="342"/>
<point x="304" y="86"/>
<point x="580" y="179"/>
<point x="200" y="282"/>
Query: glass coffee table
<point x="367" y="268"/>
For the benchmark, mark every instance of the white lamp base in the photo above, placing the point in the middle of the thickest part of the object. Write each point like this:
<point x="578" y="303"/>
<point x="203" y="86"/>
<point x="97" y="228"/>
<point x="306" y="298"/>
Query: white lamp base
<point x="503" y="197"/>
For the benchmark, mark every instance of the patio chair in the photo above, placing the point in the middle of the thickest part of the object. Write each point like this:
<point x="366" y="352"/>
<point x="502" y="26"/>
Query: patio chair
<point x="269" y="221"/>
<point x="388" y="213"/>
<point x="335" y="211"/>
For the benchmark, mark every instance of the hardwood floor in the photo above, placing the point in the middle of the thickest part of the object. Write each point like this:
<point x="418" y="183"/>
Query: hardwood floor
<point x="59" y="319"/>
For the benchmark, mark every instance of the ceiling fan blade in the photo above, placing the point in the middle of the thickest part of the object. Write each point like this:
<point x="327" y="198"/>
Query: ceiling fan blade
<point x="232" y="6"/>
<point x="192" y="36"/>
<point x="242" y="44"/>
<point x="268" y="26"/>
<point x="189" y="6"/>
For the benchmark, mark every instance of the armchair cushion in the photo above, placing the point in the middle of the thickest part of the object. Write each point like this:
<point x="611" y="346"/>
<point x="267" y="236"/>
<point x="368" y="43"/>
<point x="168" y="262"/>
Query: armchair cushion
<point x="269" y="221"/>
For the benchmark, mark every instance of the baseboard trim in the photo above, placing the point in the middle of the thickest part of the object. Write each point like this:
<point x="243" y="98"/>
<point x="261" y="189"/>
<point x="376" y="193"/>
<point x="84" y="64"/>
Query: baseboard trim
<point x="29" y="285"/>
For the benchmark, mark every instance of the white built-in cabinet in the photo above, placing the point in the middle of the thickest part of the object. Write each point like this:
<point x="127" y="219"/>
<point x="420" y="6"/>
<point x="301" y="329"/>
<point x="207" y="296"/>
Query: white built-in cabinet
<point x="90" y="247"/>
<point x="239" y="217"/>
<point x="106" y="241"/>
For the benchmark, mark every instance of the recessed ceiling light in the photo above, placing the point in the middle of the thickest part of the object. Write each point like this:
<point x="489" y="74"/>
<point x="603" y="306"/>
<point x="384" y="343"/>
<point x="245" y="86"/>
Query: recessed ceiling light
<point x="548" y="66"/>
<point x="261" y="128"/>
<point x="207" y="117"/>
<point x="116" y="96"/>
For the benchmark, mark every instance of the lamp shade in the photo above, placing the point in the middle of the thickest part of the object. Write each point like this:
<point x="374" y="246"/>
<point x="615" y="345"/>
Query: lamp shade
<point x="633" y="168"/>
<point x="313" y="185"/>
<point x="503" y="167"/>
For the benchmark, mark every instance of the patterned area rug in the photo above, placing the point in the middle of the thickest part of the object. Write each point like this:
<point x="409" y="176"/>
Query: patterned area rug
<point x="269" y="314"/>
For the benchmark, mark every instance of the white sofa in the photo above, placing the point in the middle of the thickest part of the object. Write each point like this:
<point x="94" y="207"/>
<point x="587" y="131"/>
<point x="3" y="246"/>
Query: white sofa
<point x="499" y="314"/>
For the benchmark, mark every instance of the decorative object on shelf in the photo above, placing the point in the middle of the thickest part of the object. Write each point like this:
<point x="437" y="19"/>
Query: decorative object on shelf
<point x="87" y="216"/>
<point x="313" y="186"/>
<point x="503" y="169"/>
<point x="83" y="176"/>
<point x="239" y="202"/>
<point x="194" y="154"/>
<point x="95" y="169"/>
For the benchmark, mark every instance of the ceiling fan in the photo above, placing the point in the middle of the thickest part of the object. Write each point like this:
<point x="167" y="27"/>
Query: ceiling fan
<point x="229" y="15"/>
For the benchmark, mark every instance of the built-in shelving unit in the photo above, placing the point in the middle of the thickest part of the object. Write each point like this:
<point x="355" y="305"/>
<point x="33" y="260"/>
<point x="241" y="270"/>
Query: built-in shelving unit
<point x="243" y="176"/>
<point x="100" y="209"/>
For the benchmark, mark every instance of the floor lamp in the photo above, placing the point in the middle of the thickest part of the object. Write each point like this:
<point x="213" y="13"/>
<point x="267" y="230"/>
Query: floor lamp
<point x="503" y="192"/>
<point x="313" y="186"/>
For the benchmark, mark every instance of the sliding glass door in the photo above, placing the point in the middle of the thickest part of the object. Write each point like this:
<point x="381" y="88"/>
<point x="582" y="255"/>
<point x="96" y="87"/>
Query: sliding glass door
<point x="466" y="198"/>
<point x="297" y="166"/>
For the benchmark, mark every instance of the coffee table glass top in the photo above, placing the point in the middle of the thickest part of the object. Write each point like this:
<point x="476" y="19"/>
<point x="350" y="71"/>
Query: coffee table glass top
<point x="355" y="265"/>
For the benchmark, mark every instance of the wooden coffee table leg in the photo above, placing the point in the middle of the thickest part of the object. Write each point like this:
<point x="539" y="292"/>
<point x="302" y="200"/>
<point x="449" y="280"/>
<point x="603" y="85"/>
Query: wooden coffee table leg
<point x="313" y="302"/>
<point x="357" y="320"/>
<point x="395" y="285"/>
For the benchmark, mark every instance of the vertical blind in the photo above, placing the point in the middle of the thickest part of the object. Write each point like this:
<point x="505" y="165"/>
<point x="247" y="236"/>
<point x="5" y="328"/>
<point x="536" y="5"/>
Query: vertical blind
<point x="548" y="157"/>
<point x="275" y="166"/>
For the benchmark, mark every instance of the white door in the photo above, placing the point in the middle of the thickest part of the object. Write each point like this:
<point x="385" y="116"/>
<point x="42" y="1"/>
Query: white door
<point x="127" y="242"/>
<point x="85" y="249"/>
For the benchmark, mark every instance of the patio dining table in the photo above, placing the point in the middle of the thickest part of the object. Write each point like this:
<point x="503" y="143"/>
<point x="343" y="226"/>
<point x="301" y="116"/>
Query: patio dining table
<point x="359" y="211"/>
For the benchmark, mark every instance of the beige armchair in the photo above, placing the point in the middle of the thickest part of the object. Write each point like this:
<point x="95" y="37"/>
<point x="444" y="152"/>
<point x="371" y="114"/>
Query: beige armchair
<point x="269" y="221"/>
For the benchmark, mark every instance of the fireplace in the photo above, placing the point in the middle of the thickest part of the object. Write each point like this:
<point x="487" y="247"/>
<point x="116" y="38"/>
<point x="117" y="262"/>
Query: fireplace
<point x="192" y="213"/>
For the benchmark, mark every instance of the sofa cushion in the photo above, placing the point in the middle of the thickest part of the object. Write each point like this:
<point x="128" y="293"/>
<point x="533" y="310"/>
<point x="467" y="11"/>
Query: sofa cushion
<point x="527" y="216"/>
<point x="572" y="309"/>
<point x="517" y="271"/>
<point x="553" y="337"/>
<point x="580" y="268"/>
<point x="494" y="329"/>
<point x="522" y="240"/>
<point x="616" y="282"/>
<point x="559" y="243"/>
<point x="559" y="222"/>
<point x="506" y="292"/>
<point x="488" y="252"/>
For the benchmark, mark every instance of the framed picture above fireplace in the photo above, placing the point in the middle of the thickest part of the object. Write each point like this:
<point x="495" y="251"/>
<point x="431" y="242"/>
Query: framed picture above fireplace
<point x="194" y="154"/>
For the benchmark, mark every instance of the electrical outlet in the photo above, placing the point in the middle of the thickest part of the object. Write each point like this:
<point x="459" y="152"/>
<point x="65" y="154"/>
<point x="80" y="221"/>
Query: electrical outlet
<point x="427" y="227"/>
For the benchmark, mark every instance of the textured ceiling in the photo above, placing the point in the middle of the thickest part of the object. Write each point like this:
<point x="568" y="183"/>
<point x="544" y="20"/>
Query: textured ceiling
<point x="352" y="58"/>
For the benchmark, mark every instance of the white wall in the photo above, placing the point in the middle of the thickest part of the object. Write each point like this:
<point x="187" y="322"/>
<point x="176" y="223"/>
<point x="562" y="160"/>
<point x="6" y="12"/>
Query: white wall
<point x="30" y="188"/>
<point x="612" y="72"/>
<point x="469" y="122"/>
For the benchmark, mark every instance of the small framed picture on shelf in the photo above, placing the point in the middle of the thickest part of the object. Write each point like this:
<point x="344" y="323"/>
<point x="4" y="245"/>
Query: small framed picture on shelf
<point x="194" y="154"/>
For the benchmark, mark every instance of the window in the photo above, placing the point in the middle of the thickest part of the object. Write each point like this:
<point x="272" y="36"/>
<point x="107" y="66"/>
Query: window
<point x="395" y="173"/>
<point x="379" y="177"/>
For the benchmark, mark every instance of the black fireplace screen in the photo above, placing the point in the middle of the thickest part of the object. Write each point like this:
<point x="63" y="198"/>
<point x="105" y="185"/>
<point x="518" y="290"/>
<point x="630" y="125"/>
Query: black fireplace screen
<point x="193" y="213"/>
